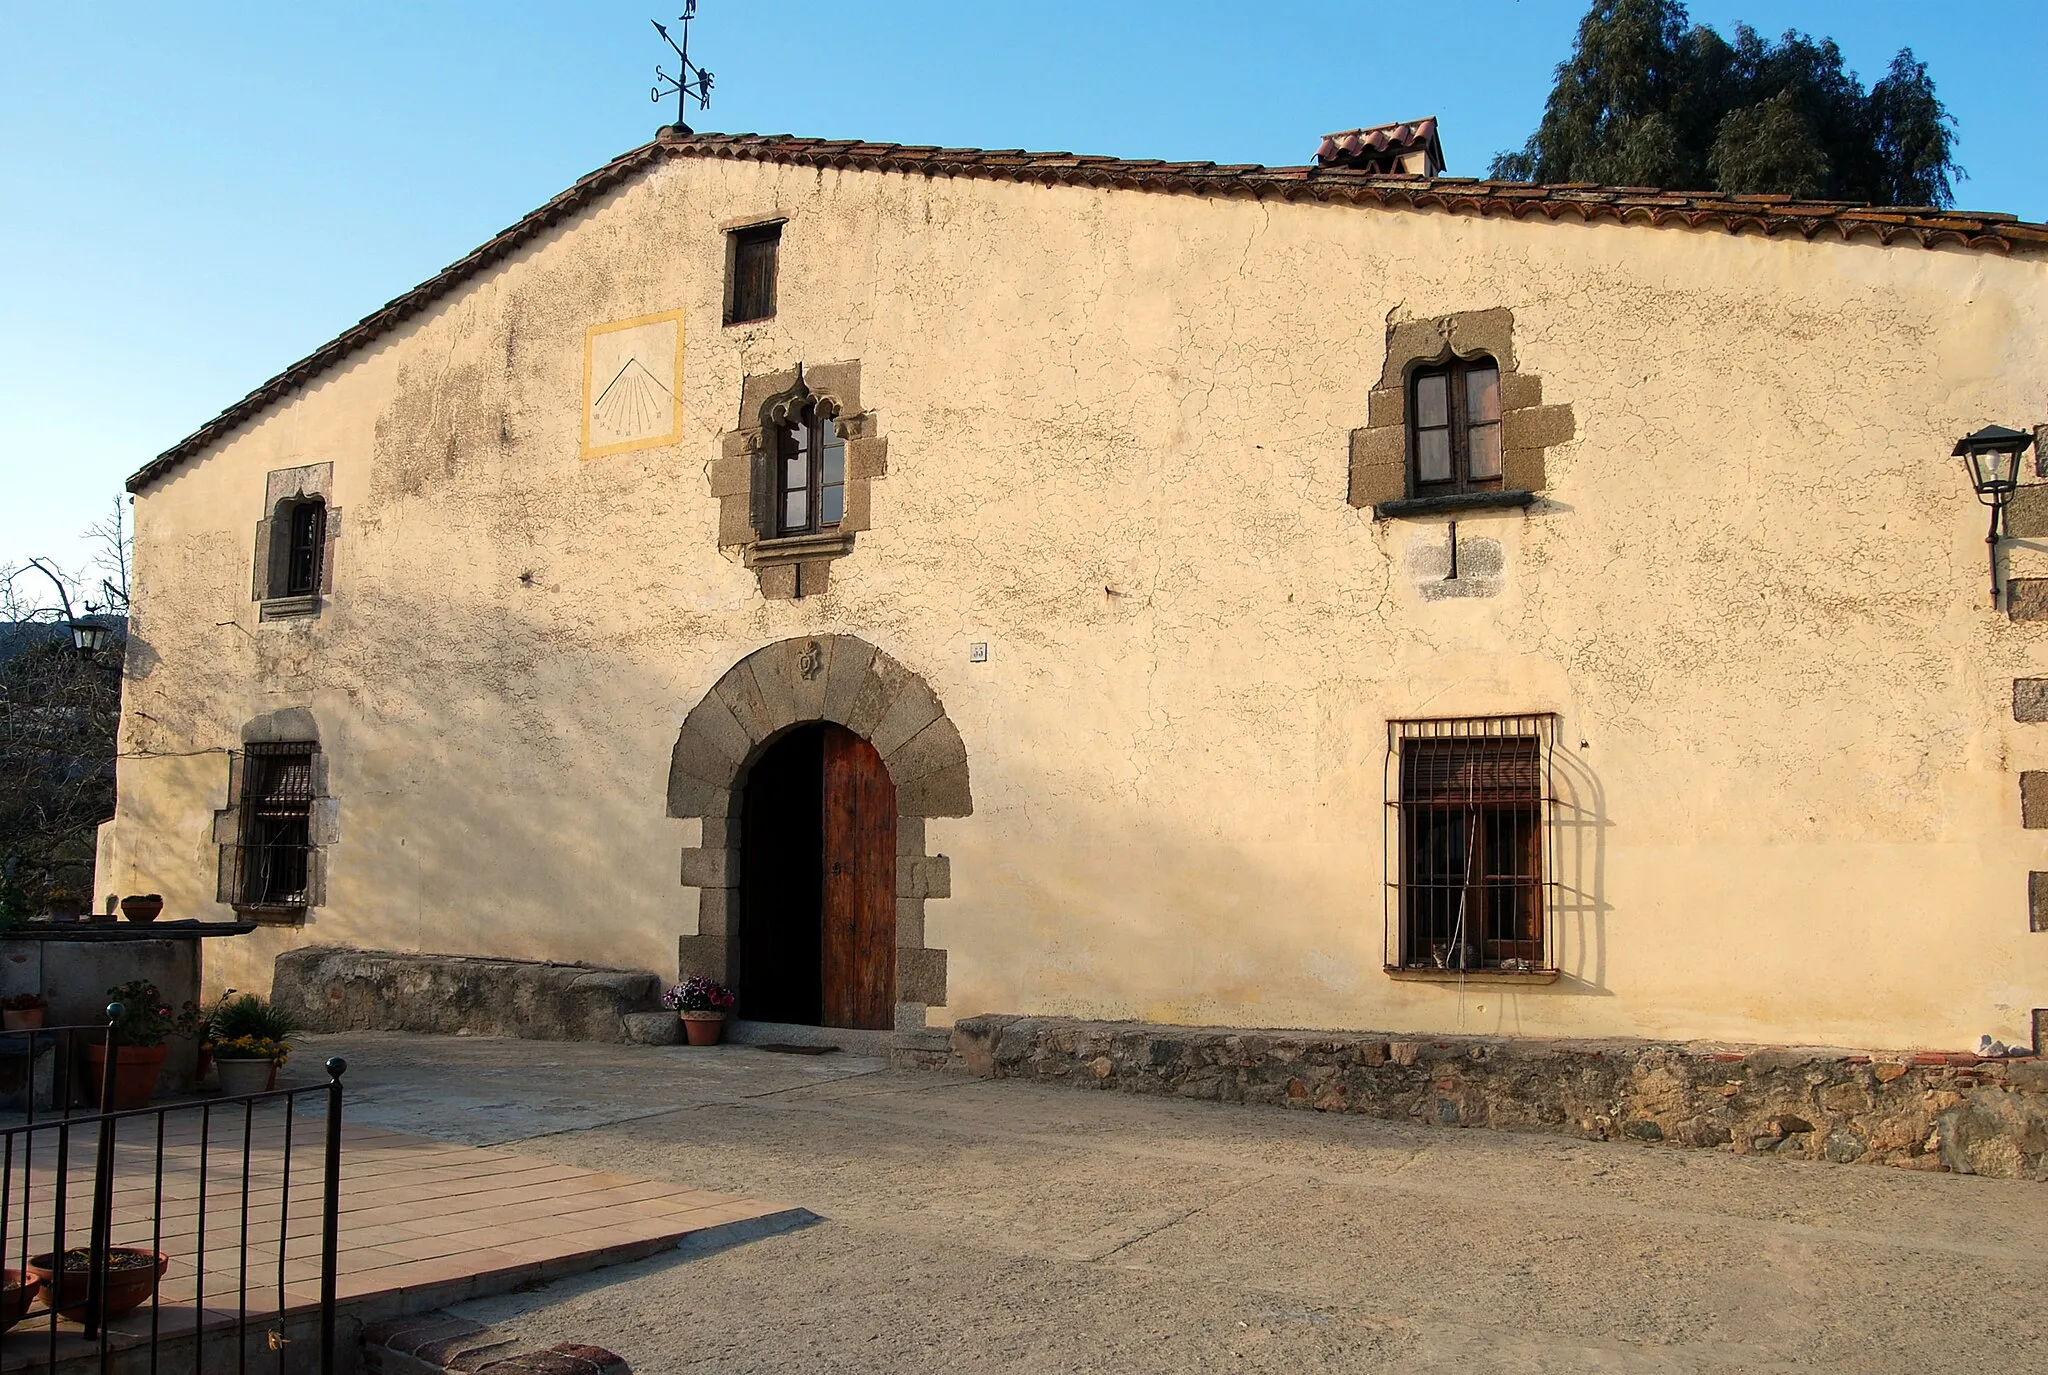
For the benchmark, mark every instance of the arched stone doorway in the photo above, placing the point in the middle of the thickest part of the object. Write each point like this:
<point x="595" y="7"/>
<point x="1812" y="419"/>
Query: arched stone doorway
<point x="784" y="732"/>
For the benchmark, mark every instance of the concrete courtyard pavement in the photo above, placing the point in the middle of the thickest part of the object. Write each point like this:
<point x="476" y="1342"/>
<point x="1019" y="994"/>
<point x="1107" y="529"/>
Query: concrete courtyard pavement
<point x="1008" y="1226"/>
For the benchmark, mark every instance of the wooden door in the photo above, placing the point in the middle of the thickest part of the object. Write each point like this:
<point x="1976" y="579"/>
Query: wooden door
<point x="859" y="909"/>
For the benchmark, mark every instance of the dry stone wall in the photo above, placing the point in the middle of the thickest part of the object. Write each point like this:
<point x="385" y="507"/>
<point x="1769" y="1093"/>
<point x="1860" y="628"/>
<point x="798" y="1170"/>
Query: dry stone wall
<point x="1938" y="1111"/>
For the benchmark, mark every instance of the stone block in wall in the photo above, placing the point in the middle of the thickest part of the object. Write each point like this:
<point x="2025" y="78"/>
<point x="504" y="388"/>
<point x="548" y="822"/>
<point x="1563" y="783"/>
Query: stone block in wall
<point x="1379" y="465"/>
<point x="1522" y="470"/>
<point x="2037" y="901"/>
<point x="2030" y="699"/>
<point x="867" y="458"/>
<point x="2034" y="800"/>
<point x="2026" y="599"/>
<point x="924" y="876"/>
<point x="2026" y="515"/>
<point x="909" y="921"/>
<point x="1537" y="427"/>
<point x="921" y="977"/>
<point x="714" y="956"/>
<point x="718" y="912"/>
<point x="945" y="793"/>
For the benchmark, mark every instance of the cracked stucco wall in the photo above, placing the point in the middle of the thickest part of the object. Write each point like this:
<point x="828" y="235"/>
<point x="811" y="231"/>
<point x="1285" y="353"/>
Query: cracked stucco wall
<point x="1118" y="456"/>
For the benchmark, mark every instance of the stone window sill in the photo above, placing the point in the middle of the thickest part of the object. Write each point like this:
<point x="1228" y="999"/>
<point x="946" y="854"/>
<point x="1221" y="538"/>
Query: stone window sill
<point x="286" y="608"/>
<point x="1451" y="503"/>
<point x="829" y="544"/>
<point x="271" y="915"/>
<point x="1491" y="976"/>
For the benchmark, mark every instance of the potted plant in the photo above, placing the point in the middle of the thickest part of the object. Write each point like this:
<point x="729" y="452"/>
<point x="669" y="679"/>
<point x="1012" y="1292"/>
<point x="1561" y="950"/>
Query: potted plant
<point x="146" y="1023"/>
<point x="65" y="905"/>
<point x="23" y="1011"/>
<point x="132" y="1273"/>
<point x="142" y="907"/>
<point x="249" y="1039"/>
<point x="702" y="1004"/>
<point x="17" y="1290"/>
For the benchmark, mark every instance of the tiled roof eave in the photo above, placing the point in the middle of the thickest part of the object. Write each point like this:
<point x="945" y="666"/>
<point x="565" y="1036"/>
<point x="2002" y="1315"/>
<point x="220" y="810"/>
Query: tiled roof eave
<point x="1770" y="216"/>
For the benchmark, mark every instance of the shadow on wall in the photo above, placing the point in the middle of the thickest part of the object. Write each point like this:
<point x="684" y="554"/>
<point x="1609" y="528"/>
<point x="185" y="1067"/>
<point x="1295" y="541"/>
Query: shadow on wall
<point x="1579" y="898"/>
<point x="501" y="776"/>
<point x="1183" y="926"/>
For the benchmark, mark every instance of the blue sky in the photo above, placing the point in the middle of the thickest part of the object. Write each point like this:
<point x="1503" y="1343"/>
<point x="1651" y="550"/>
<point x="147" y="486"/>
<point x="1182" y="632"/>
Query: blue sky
<point x="197" y="195"/>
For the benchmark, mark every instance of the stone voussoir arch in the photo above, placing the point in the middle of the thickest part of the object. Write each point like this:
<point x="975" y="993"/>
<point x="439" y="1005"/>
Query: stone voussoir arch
<point x="838" y="678"/>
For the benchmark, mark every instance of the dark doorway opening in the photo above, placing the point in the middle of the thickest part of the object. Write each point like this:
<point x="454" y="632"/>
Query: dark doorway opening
<point x="818" y="883"/>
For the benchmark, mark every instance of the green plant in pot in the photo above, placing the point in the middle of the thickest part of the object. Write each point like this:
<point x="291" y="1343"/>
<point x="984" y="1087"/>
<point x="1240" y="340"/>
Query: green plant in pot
<point x="250" y="1039"/>
<point x="146" y="1022"/>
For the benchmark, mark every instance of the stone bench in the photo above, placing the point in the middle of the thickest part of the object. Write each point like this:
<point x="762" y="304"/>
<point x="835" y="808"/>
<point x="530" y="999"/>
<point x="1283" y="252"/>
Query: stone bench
<point x="337" y="988"/>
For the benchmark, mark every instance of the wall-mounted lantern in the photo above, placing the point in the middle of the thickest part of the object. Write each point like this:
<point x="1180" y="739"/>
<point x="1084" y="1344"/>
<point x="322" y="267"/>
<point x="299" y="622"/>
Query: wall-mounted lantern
<point x="1992" y="455"/>
<point x="91" y="638"/>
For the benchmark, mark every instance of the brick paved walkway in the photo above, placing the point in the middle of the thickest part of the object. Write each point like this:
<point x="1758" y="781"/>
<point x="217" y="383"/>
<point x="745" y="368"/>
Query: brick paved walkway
<point x="422" y="1222"/>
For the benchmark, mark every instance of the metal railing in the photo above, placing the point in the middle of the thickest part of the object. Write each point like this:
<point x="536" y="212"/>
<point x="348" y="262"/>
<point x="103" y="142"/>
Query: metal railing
<point x="52" y="1065"/>
<point x="159" y="1204"/>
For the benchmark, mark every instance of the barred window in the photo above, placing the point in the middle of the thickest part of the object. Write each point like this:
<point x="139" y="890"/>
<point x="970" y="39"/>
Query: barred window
<point x="305" y="533"/>
<point x="1468" y="801"/>
<point x="274" y="866"/>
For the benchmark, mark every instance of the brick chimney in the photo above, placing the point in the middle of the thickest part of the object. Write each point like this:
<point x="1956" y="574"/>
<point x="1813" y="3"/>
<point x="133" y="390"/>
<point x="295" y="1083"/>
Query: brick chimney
<point x="1409" y="149"/>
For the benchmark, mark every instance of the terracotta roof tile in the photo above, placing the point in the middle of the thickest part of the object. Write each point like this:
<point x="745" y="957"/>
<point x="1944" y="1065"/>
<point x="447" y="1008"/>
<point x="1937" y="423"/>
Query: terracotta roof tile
<point x="1921" y="226"/>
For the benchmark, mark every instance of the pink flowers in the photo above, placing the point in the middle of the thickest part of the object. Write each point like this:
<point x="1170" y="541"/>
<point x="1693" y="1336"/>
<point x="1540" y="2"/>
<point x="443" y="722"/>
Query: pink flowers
<point x="699" y="995"/>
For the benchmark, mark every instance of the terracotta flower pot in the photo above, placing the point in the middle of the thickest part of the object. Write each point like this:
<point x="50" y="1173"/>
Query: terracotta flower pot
<point x="135" y="1071"/>
<point x="243" y="1074"/>
<point x="143" y="907"/>
<point x="16" y="1292"/>
<point x="131" y="1279"/>
<point x="703" y="1028"/>
<point x="28" y="1019"/>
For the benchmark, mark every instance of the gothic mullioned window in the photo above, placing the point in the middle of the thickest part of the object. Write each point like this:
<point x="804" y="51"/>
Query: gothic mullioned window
<point x="810" y="473"/>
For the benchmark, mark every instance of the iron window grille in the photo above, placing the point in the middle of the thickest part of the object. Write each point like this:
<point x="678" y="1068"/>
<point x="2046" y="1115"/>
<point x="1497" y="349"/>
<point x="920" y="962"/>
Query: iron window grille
<point x="751" y="255"/>
<point x="1470" y="844"/>
<point x="273" y="864"/>
<point x="1454" y="432"/>
<point x="810" y="474"/>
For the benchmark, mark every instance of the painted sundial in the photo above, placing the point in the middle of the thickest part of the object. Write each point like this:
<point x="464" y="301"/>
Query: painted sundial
<point x="632" y="374"/>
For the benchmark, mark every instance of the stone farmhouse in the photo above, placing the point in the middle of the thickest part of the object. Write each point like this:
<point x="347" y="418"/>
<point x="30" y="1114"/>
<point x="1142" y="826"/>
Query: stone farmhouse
<point x="911" y="582"/>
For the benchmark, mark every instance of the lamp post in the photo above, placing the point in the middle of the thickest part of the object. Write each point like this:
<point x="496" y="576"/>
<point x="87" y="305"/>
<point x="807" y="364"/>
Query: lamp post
<point x="1992" y="456"/>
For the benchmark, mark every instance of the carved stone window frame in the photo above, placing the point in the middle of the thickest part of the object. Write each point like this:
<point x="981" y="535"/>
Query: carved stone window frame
<point x="284" y="488"/>
<point x="743" y="475"/>
<point x="1382" y="469"/>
